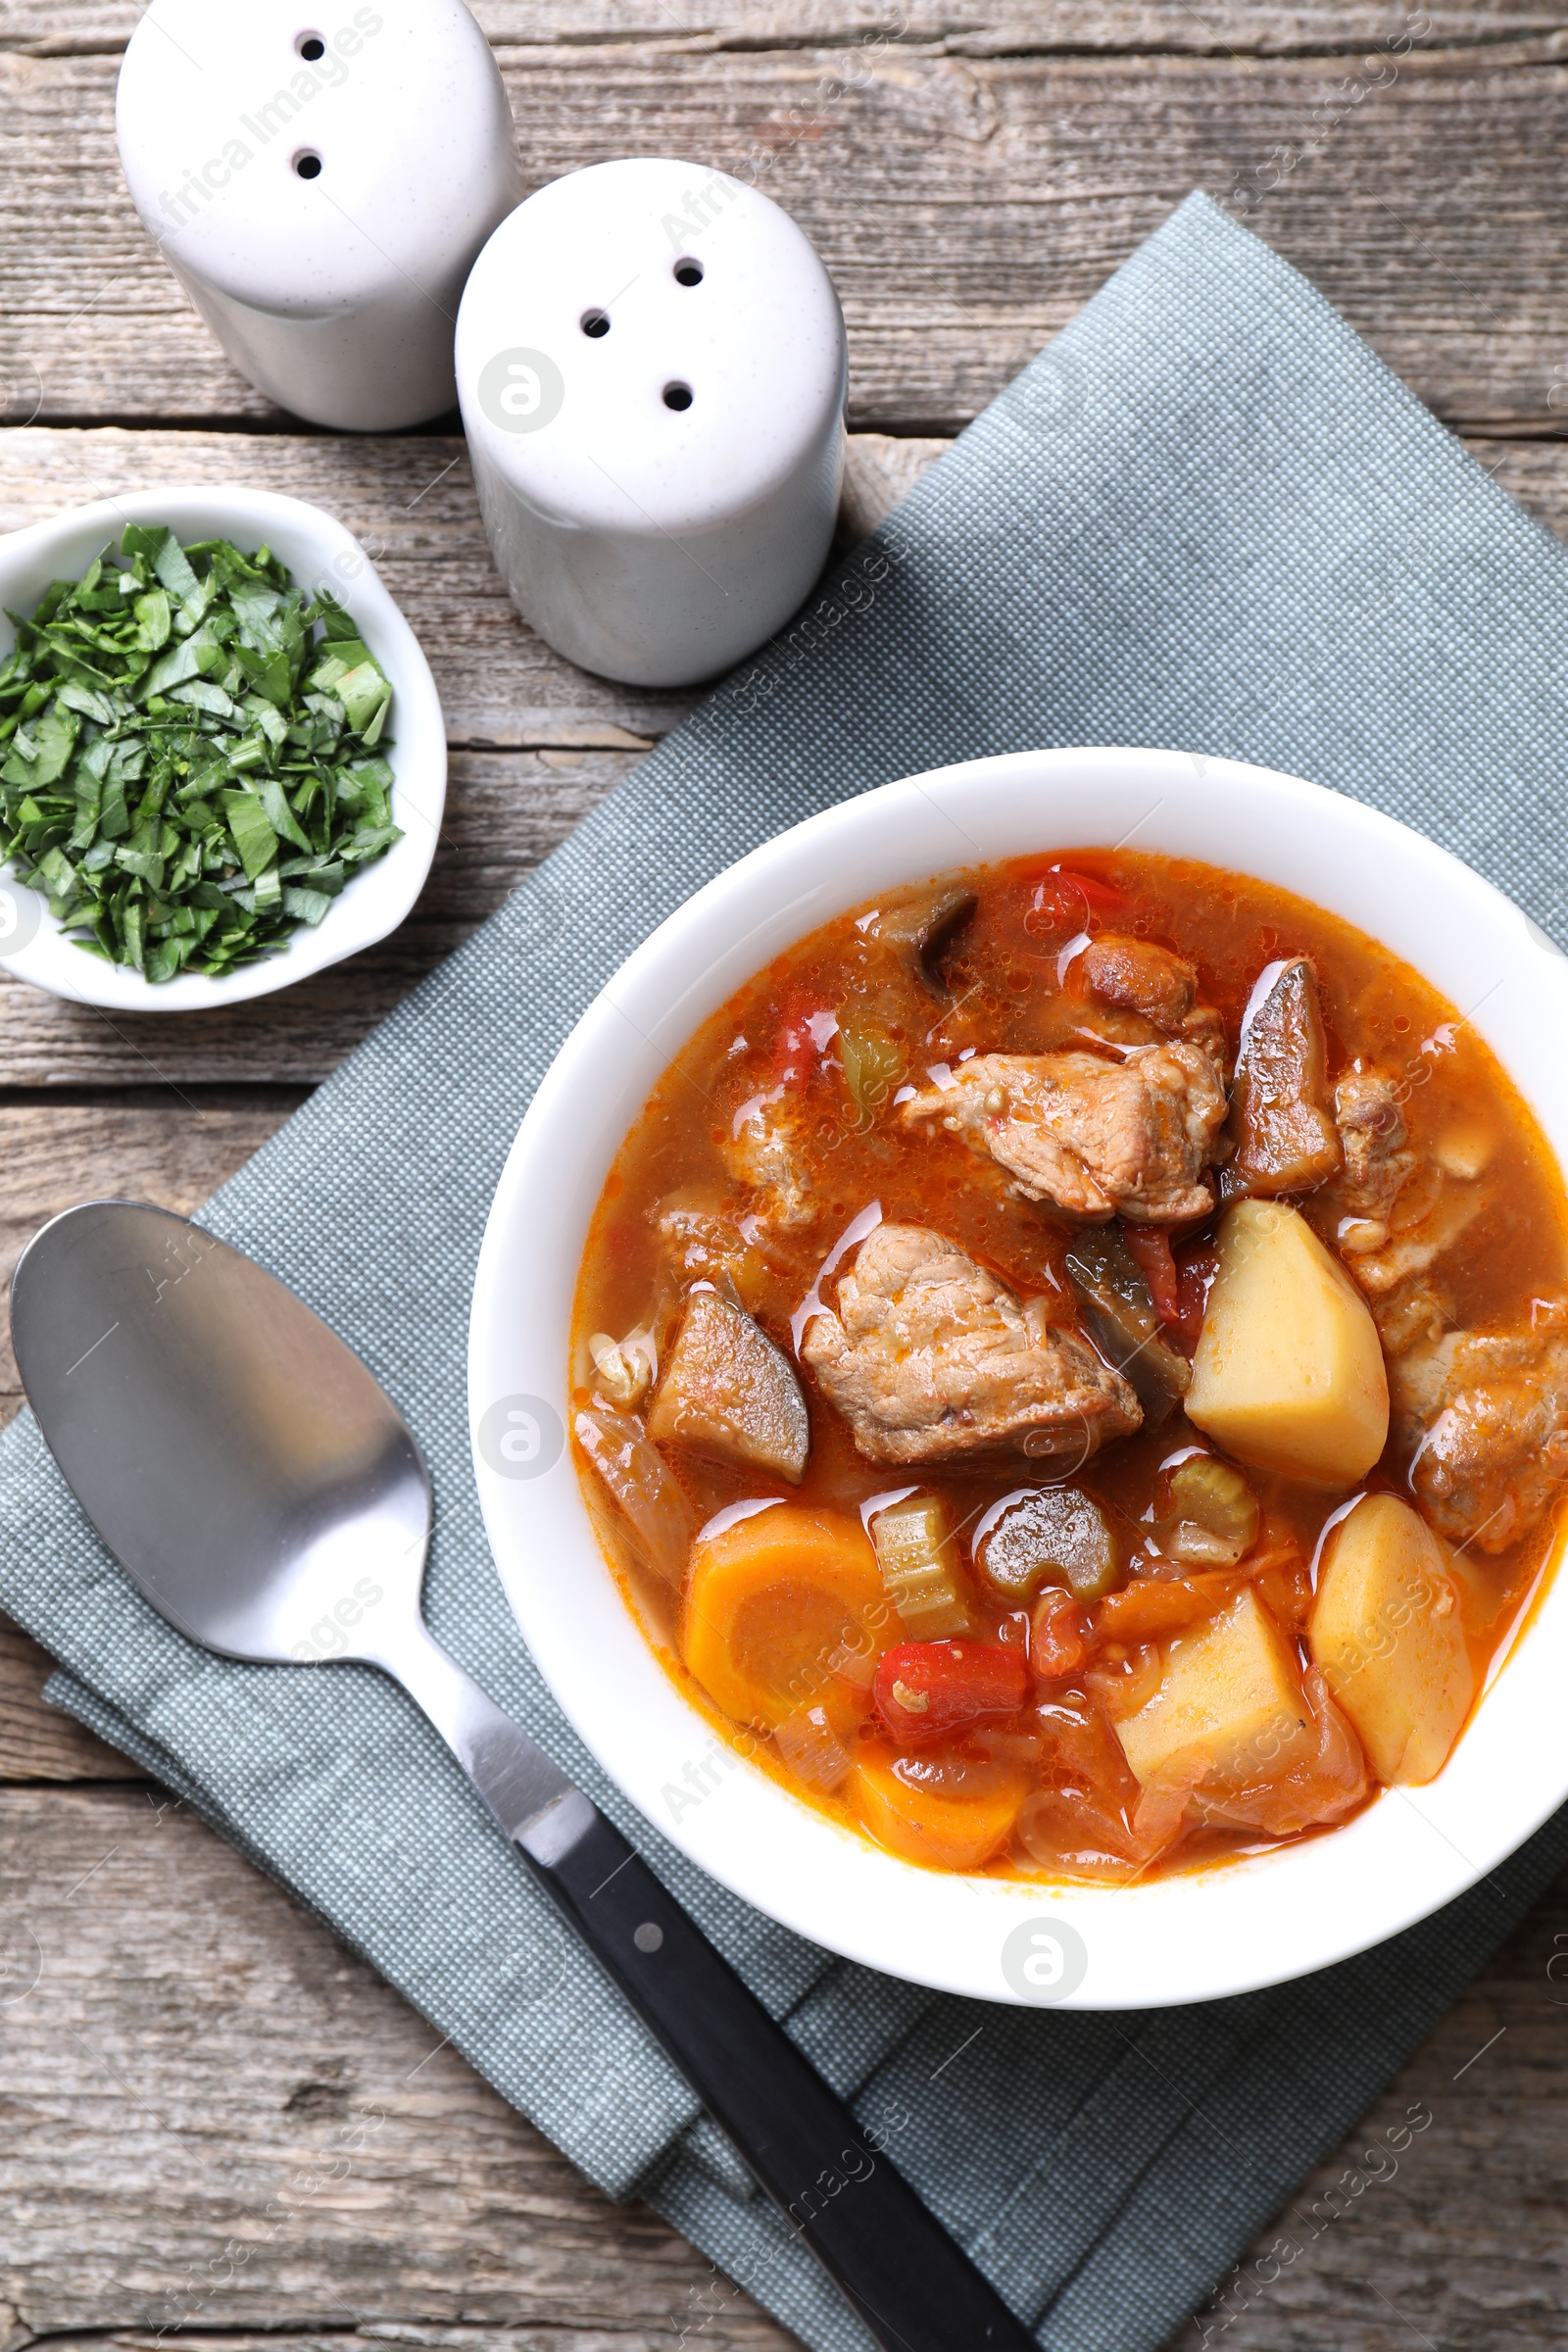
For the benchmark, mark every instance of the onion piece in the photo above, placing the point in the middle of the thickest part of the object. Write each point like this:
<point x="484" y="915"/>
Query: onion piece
<point x="639" y="1481"/>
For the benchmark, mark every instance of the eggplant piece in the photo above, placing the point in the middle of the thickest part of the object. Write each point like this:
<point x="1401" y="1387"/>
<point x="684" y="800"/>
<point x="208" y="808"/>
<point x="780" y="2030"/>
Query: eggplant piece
<point x="1120" y="1314"/>
<point x="728" y="1392"/>
<point x="1281" y="1119"/>
<point x="928" y="928"/>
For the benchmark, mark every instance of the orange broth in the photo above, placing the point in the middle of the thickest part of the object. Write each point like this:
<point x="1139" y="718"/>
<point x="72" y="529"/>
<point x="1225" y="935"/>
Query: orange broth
<point x="1006" y="995"/>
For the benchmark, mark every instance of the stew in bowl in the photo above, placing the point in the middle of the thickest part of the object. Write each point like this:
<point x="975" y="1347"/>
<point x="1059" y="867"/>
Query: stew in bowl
<point x="1066" y="1366"/>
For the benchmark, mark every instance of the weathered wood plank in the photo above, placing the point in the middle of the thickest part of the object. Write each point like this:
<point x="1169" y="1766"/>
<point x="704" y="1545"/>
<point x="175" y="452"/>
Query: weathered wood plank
<point x="1438" y="2220"/>
<point x="745" y="2329"/>
<point x="176" y="1150"/>
<point x="506" y="808"/>
<point x="505" y="812"/>
<point x="194" y="2043"/>
<point x="198" y="2064"/>
<point x="1025" y="28"/>
<point x="967" y="206"/>
<point x="409" y="502"/>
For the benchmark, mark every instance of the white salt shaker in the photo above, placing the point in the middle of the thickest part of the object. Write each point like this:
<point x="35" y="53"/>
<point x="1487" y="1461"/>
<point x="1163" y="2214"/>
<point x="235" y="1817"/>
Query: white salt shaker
<point x="320" y="178"/>
<point x="651" y="362"/>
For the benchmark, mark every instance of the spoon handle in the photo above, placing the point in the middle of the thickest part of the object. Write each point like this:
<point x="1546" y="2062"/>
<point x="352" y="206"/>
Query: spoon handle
<point x="829" y="2176"/>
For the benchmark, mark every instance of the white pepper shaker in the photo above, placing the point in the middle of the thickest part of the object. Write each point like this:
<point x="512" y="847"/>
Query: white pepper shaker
<point x="651" y="362"/>
<point x="320" y="178"/>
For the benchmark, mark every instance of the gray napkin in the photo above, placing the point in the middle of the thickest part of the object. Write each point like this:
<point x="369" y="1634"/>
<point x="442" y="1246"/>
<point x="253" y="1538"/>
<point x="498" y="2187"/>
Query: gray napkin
<point x="1209" y="517"/>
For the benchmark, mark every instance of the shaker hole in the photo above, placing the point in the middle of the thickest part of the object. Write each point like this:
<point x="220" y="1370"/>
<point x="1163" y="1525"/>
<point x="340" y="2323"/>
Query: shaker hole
<point x="677" y="396"/>
<point x="595" y="323"/>
<point x="688" y="272"/>
<point x="308" y="163"/>
<point x="310" y="46"/>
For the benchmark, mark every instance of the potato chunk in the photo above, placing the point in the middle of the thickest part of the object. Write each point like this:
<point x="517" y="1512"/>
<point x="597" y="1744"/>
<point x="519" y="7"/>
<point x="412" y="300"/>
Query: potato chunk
<point x="729" y="1392"/>
<point x="1288" y="1372"/>
<point x="1387" y="1633"/>
<point x="1229" y="1705"/>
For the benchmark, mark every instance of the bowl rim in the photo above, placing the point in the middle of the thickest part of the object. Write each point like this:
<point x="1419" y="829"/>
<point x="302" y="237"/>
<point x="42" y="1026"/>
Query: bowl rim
<point x="319" y="551"/>
<point x="1197" y="1935"/>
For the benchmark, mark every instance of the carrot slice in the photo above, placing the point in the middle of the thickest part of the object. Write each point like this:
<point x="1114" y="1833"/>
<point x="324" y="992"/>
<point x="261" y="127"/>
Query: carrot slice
<point x="1154" y="1605"/>
<point x="770" y="1604"/>
<point x="946" y="1815"/>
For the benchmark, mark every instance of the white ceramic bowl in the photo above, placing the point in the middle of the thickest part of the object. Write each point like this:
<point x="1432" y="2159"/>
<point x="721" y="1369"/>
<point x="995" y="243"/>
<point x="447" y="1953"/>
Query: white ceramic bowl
<point x="319" y="553"/>
<point x="1182" y="1938"/>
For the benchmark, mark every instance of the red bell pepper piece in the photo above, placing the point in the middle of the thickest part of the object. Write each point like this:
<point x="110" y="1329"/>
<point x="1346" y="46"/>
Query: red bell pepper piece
<point x="1065" y="901"/>
<point x="930" y="1690"/>
<point x="1195" y="1277"/>
<point x="1149" y="1248"/>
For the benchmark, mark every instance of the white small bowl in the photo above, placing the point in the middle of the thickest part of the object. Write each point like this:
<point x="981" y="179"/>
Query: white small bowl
<point x="319" y="553"/>
<point x="1183" y="1939"/>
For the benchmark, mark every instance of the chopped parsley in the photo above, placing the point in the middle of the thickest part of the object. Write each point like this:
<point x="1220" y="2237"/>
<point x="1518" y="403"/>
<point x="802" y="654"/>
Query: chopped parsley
<point x="190" y="772"/>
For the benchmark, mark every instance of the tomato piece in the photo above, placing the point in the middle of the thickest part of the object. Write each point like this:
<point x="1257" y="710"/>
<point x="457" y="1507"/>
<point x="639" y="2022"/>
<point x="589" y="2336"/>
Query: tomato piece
<point x="1152" y="1607"/>
<point x="930" y="1690"/>
<point x="1065" y="901"/>
<point x="1194" y="1276"/>
<point x="1100" y="897"/>
<point x="1149" y="1247"/>
<point x="1059" y="1637"/>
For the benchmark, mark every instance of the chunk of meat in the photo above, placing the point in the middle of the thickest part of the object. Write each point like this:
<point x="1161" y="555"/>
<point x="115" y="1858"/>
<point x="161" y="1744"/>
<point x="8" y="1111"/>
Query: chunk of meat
<point x="1391" y="1213"/>
<point x="701" y="1241"/>
<point x="764" y="1149"/>
<point x="930" y="1358"/>
<point x="1148" y="993"/>
<point x="1375" y="1142"/>
<point x="1204" y="1029"/>
<point x="1095" y="1138"/>
<point x="1427" y="1219"/>
<point x="728" y="1392"/>
<point x="1286" y="1139"/>
<point x="1485" y="1418"/>
<point x="1139" y="977"/>
<point x="1414" y="1310"/>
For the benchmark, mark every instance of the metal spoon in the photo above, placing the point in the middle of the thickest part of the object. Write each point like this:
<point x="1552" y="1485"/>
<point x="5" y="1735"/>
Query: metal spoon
<point x="255" y="1481"/>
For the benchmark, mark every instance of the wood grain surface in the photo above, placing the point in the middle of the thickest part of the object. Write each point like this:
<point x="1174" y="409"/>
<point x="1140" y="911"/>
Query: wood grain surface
<point x="214" y="2122"/>
<point x="967" y="203"/>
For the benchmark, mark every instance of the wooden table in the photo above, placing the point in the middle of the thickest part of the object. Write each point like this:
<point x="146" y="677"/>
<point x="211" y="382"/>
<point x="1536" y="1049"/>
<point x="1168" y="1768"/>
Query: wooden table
<point x="196" y="2050"/>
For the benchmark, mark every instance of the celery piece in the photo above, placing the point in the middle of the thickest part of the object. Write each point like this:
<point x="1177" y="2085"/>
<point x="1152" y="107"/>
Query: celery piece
<point x="918" y="1559"/>
<point x="873" y="1062"/>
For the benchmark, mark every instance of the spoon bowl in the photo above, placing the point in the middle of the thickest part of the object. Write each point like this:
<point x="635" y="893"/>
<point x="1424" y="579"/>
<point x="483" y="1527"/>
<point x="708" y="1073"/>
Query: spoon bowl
<point x="295" y="1520"/>
<point x="263" y="1492"/>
